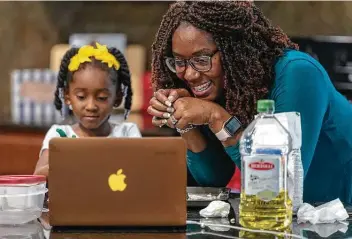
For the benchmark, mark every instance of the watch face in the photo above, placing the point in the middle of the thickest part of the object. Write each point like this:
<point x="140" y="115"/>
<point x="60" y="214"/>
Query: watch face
<point x="232" y="126"/>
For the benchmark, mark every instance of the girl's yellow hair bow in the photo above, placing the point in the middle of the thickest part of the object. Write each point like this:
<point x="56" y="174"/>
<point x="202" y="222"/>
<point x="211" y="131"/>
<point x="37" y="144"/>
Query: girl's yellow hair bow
<point x="100" y="53"/>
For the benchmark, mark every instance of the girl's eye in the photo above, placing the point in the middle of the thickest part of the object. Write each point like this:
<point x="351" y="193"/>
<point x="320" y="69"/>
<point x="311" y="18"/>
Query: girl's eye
<point x="102" y="98"/>
<point x="80" y="97"/>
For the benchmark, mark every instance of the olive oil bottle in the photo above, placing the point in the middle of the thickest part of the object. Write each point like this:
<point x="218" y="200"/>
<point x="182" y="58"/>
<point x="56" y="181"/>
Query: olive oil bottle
<point x="265" y="145"/>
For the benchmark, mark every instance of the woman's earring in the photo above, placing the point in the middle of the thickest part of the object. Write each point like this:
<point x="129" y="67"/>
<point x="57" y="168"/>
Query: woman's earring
<point x="115" y="107"/>
<point x="70" y="107"/>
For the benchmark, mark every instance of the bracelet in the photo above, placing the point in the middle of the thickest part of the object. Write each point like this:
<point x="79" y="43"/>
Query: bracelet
<point x="185" y="130"/>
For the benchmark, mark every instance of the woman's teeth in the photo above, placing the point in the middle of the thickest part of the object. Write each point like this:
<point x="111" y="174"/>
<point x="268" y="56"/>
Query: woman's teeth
<point x="202" y="87"/>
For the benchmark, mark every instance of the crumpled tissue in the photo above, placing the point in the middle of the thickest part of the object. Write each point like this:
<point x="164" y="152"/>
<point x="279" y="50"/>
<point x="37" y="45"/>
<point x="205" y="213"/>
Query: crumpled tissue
<point x="326" y="213"/>
<point x="216" y="209"/>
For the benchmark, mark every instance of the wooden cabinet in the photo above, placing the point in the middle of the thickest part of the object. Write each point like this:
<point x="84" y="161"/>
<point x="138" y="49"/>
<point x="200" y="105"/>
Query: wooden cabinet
<point x="19" y="152"/>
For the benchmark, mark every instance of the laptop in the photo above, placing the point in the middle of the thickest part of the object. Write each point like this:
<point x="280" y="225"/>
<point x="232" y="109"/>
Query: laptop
<point x="117" y="182"/>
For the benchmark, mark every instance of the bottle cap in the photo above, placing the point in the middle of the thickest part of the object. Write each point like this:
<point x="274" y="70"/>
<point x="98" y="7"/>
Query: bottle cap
<point x="265" y="106"/>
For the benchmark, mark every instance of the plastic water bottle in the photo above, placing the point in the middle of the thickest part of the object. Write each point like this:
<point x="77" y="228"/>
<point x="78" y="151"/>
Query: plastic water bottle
<point x="292" y="122"/>
<point x="297" y="200"/>
<point x="265" y="145"/>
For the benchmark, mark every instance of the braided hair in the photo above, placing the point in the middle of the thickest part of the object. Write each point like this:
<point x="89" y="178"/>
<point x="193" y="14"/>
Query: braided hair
<point x="249" y="46"/>
<point x="120" y="77"/>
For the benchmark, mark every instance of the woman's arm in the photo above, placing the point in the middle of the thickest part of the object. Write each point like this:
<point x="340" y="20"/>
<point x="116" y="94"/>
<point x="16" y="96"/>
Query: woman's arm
<point x="303" y="87"/>
<point x="211" y="167"/>
<point x="208" y="162"/>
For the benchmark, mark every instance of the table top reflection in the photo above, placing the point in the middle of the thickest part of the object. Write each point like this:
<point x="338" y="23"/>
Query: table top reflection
<point x="197" y="228"/>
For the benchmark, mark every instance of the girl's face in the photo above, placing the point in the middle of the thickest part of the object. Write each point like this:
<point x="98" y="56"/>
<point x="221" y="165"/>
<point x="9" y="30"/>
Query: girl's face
<point x="92" y="96"/>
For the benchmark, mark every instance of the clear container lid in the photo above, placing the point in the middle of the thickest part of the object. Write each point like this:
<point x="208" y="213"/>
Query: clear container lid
<point x="18" y="180"/>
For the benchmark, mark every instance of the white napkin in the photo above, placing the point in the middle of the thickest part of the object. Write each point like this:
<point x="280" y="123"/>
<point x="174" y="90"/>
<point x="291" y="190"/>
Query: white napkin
<point x="327" y="213"/>
<point x="216" y="209"/>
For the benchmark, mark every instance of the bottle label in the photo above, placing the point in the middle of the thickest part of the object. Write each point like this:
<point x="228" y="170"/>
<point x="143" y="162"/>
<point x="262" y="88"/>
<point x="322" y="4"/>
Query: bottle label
<point x="262" y="176"/>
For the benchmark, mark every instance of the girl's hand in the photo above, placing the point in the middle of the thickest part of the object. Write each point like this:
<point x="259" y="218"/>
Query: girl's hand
<point x="42" y="171"/>
<point x="161" y="104"/>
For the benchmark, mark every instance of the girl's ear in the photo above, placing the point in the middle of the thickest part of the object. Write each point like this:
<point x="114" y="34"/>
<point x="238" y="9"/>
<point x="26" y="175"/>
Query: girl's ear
<point x="67" y="97"/>
<point x="118" y="99"/>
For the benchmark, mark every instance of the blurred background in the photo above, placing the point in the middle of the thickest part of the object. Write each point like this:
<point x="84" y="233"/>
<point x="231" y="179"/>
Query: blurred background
<point x="35" y="35"/>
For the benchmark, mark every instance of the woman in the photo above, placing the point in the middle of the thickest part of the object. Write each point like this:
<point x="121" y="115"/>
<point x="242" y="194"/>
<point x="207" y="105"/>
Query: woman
<point x="212" y="61"/>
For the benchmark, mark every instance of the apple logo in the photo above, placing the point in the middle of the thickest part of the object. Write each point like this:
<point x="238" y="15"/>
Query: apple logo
<point x="117" y="181"/>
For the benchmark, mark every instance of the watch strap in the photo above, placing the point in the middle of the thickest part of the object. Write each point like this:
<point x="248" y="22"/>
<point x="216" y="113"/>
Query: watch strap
<point x="225" y="133"/>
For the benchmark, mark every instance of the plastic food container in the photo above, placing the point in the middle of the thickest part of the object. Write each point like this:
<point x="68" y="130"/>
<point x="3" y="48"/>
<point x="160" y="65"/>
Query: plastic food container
<point x="21" y="198"/>
<point x="31" y="230"/>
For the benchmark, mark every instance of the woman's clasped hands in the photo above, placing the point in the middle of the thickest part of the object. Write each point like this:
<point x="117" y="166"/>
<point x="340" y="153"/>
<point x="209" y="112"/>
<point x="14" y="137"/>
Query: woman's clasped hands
<point x="176" y="108"/>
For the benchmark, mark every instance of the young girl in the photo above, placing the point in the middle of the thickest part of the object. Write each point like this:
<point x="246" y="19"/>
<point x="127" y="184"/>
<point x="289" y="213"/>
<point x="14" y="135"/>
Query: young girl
<point x="91" y="81"/>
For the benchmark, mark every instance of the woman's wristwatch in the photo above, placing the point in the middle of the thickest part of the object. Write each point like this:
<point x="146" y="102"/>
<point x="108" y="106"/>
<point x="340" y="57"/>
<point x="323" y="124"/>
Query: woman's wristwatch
<point x="229" y="129"/>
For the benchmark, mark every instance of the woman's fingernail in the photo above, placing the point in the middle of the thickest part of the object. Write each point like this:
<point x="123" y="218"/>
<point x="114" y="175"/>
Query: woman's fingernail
<point x="170" y="98"/>
<point x="171" y="110"/>
<point x="168" y="103"/>
<point x="166" y="115"/>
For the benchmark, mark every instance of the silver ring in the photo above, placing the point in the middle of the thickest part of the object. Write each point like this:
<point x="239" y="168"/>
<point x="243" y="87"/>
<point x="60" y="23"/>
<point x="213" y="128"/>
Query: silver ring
<point x="173" y="120"/>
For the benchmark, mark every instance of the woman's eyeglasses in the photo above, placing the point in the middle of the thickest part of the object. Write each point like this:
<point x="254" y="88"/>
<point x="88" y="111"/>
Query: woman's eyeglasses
<point x="198" y="63"/>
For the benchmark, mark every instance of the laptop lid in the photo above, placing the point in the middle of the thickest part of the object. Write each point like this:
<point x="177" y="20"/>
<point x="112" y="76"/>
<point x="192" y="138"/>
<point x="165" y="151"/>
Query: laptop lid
<point x="117" y="181"/>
